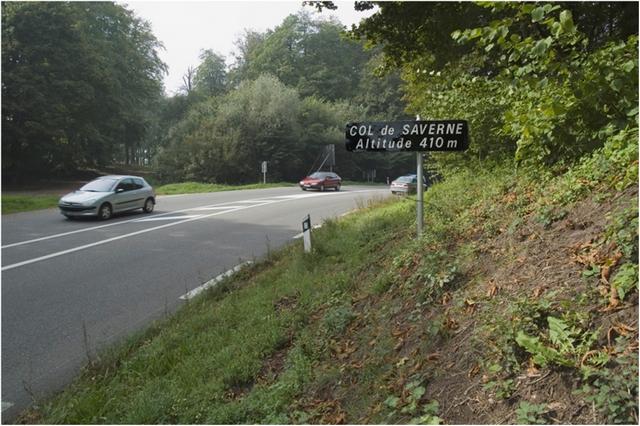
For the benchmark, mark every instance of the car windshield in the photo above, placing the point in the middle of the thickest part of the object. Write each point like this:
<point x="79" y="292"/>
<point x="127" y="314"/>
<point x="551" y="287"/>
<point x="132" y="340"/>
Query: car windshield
<point x="406" y="179"/>
<point x="318" y="175"/>
<point x="99" y="185"/>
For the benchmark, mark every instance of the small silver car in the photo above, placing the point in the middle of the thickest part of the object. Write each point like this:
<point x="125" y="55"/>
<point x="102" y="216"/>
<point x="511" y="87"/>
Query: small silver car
<point x="107" y="195"/>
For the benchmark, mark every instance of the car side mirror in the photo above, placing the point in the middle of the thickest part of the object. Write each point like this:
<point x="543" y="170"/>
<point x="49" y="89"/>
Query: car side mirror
<point x="118" y="190"/>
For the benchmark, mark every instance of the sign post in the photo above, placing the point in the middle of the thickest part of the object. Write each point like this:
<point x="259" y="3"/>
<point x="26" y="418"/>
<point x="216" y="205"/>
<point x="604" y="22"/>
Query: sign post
<point x="306" y="233"/>
<point x="415" y="136"/>
<point x="420" y="192"/>
<point x="264" y="172"/>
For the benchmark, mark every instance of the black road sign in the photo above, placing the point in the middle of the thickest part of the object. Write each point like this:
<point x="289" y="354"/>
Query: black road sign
<point x="395" y="136"/>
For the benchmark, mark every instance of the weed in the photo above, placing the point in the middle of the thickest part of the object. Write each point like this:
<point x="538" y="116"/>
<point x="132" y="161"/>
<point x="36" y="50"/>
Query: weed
<point x="531" y="414"/>
<point x="337" y="319"/>
<point x="408" y="404"/>
<point x="614" y="392"/>
<point x="549" y="214"/>
<point x="625" y="280"/>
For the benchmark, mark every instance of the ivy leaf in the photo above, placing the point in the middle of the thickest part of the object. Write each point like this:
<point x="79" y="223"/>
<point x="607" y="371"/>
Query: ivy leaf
<point x="617" y="84"/>
<point x="628" y="66"/>
<point x="566" y="20"/>
<point x="537" y="14"/>
<point x="540" y="48"/>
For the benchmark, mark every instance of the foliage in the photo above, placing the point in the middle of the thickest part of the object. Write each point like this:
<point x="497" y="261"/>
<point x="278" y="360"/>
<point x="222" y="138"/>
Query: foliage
<point x="531" y="414"/>
<point x="545" y="83"/>
<point x="614" y="392"/>
<point x="308" y="54"/>
<point x="564" y="345"/>
<point x="625" y="280"/>
<point x="78" y="83"/>
<point x="211" y="75"/>
<point x="410" y="404"/>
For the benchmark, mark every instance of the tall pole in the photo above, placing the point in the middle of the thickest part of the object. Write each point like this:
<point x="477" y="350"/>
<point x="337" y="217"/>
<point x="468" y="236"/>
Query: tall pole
<point x="420" y="191"/>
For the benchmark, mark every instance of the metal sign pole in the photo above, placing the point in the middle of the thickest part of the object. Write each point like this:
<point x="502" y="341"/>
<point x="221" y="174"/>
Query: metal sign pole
<point x="420" y="191"/>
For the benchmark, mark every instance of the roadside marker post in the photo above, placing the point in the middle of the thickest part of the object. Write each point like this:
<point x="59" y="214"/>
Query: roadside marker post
<point x="306" y="233"/>
<point x="409" y="136"/>
<point x="264" y="172"/>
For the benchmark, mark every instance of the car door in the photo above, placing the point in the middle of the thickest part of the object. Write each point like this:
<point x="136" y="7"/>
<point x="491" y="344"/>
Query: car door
<point x="141" y="192"/>
<point x="126" y="195"/>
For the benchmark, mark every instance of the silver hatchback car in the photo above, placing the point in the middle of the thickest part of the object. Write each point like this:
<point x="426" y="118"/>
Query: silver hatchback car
<point x="107" y="195"/>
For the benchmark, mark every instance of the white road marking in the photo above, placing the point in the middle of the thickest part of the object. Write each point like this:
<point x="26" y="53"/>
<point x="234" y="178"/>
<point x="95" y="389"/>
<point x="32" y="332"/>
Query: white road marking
<point x="215" y="208"/>
<point x="143" y="231"/>
<point x="214" y="281"/>
<point x="169" y="218"/>
<point x="64" y="234"/>
<point x="119" y="237"/>
<point x="5" y="405"/>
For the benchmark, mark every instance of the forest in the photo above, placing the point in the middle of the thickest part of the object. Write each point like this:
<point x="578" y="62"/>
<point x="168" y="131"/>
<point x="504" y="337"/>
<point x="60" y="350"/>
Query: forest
<point x="539" y="83"/>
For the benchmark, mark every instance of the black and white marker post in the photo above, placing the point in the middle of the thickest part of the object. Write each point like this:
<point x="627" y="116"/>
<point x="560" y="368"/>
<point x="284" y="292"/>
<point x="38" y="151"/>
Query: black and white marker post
<point x="402" y="136"/>
<point x="306" y="233"/>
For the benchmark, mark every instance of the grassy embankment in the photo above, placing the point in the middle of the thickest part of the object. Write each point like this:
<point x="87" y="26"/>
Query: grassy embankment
<point x="519" y="305"/>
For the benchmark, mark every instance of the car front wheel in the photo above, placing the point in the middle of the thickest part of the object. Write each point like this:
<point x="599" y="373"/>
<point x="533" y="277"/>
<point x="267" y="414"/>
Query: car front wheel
<point x="321" y="188"/>
<point x="105" y="212"/>
<point x="148" y="205"/>
<point x="338" y="187"/>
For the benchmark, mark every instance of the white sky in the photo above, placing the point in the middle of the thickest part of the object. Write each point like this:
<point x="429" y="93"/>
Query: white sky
<point x="186" y="28"/>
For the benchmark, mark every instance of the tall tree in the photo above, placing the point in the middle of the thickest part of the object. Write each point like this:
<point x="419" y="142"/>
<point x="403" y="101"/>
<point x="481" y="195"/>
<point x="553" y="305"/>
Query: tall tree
<point x="211" y="75"/>
<point x="77" y="82"/>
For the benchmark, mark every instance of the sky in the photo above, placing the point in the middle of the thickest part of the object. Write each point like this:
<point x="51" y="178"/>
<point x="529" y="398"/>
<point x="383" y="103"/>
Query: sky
<point x="187" y="27"/>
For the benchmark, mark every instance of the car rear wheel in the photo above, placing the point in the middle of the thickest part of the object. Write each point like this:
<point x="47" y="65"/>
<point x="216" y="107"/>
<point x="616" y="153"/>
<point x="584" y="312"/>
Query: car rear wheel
<point x="105" y="212"/>
<point x="148" y="205"/>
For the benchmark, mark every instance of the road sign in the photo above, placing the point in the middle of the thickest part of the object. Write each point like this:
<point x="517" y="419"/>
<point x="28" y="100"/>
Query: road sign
<point x="264" y="167"/>
<point x="397" y="136"/>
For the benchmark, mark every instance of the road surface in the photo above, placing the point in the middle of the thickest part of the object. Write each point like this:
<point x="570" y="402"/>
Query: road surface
<point x="71" y="287"/>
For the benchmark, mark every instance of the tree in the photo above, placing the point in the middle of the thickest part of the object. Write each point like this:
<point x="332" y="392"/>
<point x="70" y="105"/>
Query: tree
<point x="211" y="75"/>
<point x="311" y="55"/>
<point x="78" y="81"/>
<point x="187" y="80"/>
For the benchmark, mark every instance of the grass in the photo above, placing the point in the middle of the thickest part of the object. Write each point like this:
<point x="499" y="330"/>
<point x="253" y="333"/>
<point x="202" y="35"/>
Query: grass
<point x="197" y="187"/>
<point x="24" y="203"/>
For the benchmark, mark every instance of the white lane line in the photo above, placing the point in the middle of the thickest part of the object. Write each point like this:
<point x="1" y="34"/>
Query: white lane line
<point x="295" y="237"/>
<point x="119" y="237"/>
<point x="64" y="234"/>
<point x="214" y="281"/>
<point x="261" y="200"/>
<point x="215" y="208"/>
<point x="151" y="219"/>
<point x="5" y="405"/>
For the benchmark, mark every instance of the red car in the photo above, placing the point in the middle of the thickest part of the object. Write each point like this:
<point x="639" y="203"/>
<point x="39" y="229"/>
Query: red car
<point x="321" y="181"/>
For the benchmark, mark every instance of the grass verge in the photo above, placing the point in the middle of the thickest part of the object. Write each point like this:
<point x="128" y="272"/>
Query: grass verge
<point x="24" y="203"/>
<point x="197" y="187"/>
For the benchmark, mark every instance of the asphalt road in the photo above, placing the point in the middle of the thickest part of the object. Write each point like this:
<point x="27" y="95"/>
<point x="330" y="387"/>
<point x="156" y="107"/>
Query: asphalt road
<point x="71" y="287"/>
